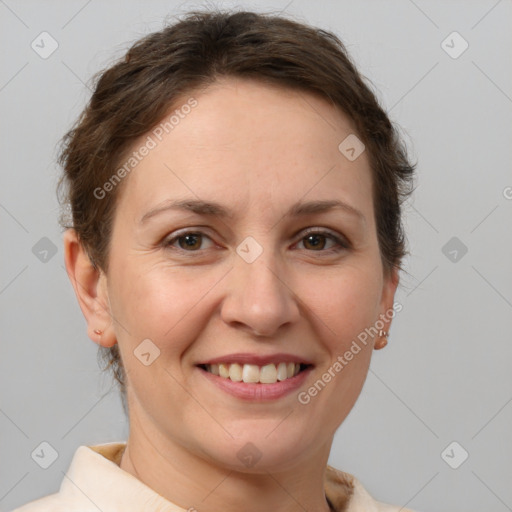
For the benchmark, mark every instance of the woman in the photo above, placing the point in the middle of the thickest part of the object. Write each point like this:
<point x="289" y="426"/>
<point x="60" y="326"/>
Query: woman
<point x="235" y="247"/>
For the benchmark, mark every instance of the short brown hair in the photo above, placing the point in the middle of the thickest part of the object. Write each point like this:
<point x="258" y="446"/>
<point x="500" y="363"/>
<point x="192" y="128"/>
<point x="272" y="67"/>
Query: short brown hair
<point x="133" y="95"/>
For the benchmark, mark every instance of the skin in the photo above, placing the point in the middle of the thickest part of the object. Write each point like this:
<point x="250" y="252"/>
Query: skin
<point x="257" y="150"/>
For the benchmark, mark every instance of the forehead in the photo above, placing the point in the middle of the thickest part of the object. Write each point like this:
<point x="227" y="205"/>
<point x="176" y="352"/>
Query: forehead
<point x="248" y="143"/>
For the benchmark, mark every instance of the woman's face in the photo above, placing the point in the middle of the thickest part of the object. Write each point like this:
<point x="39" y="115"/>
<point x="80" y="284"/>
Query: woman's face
<point x="253" y="270"/>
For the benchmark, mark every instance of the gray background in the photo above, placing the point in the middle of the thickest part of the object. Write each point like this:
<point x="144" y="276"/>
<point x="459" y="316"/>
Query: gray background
<point x="446" y="374"/>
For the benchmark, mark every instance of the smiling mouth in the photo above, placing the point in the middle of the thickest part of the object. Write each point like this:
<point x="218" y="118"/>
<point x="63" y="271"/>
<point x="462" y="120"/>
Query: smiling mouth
<point x="254" y="374"/>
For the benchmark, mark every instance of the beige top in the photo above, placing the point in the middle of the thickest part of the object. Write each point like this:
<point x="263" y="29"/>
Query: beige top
<point x="94" y="481"/>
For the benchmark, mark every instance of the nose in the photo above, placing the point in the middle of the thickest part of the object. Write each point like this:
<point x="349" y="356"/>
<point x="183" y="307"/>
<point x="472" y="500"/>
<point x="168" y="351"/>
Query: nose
<point x="259" y="299"/>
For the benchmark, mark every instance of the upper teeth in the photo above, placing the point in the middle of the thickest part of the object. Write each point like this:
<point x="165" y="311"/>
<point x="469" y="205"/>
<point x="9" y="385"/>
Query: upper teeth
<point x="268" y="374"/>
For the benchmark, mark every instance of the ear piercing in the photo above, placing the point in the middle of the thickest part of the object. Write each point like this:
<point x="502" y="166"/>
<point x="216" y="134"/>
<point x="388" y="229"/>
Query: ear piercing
<point x="382" y="341"/>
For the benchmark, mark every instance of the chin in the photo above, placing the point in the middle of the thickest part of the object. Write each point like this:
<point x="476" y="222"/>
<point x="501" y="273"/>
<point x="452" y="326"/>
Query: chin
<point x="260" y="446"/>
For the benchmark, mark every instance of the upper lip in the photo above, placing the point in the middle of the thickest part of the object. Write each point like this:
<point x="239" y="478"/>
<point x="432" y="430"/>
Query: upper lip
<point x="257" y="359"/>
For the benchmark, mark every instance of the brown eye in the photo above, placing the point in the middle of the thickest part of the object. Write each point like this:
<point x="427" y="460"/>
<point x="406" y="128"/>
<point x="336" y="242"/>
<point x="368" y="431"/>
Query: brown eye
<point x="189" y="241"/>
<point x="314" y="241"/>
<point x="323" y="241"/>
<point x="192" y="241"/>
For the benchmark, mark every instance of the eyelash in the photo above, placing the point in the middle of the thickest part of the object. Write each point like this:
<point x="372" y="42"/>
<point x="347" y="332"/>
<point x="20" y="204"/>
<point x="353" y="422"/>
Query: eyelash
<point x="342" y="243"/>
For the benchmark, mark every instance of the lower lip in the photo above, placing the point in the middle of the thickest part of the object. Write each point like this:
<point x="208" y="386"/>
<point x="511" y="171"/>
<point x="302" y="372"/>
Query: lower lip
<point x="258" y="392"/>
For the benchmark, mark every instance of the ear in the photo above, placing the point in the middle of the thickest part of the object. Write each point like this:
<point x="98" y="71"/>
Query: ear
<point x="90" y="285"/>
<point x="390" y="284"/>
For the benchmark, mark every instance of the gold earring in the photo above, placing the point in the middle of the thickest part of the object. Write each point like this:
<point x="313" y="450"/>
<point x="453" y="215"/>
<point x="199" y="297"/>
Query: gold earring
<point x="382" y="341"/>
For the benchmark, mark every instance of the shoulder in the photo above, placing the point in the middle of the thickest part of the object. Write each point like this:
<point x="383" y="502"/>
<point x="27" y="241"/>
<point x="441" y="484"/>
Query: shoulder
<point x="81" y="480"/>
<point x="347" y="494"/>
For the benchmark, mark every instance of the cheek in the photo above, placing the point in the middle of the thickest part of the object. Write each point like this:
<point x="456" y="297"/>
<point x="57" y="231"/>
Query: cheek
<point x="167" y="306"/>
<point x="161" y="303"/>
<point x="346" y="302"/>
<point x="342" y="307"/>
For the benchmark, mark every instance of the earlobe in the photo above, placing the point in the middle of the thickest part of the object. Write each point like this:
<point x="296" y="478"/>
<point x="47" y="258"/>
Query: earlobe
<point x="90" y="288"/>
<point x="387" y="310"/>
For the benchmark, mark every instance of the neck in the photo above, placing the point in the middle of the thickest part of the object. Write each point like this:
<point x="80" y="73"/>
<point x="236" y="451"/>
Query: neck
<point x="193" y="483"/>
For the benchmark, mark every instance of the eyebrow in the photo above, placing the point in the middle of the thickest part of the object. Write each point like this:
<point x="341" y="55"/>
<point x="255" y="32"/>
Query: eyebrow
<point x="213" y="209"/>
